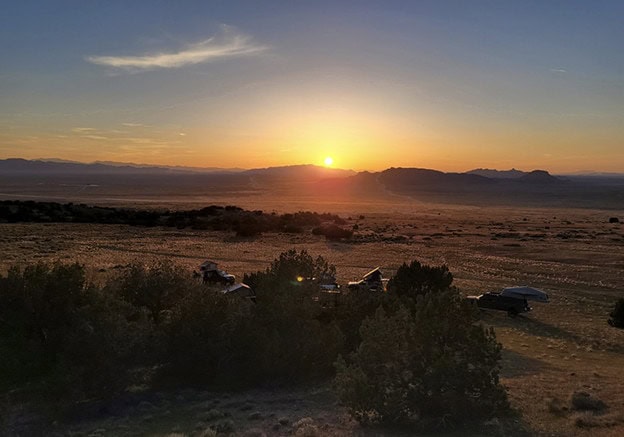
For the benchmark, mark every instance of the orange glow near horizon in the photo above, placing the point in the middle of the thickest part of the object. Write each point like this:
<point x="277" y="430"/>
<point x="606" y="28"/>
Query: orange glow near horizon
<point x="355" y="136"/>
<point x="421" y="88"/>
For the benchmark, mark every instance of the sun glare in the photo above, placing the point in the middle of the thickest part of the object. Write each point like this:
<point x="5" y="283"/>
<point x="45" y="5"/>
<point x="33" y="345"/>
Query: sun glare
<point x="329" y="161"/>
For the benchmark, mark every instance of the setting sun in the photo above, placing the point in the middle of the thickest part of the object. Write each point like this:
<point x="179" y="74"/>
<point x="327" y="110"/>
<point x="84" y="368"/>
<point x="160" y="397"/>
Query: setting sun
<point x="329" y="161"/>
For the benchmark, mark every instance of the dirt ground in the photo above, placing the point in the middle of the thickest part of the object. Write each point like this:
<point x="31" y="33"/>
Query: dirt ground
<point x="559" y="348"/>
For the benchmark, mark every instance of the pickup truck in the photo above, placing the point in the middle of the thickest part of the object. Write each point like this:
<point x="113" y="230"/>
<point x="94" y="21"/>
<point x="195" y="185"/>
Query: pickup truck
<point x="496" y="301"/>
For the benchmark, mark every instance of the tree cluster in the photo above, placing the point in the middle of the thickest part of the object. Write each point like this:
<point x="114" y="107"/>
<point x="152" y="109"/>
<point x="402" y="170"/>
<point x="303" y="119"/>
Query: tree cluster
<point x="218" y="218"/>
<point x="414" y="356"/>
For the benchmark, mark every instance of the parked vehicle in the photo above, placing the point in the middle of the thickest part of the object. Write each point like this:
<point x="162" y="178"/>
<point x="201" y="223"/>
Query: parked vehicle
<point x="497" y="301"/>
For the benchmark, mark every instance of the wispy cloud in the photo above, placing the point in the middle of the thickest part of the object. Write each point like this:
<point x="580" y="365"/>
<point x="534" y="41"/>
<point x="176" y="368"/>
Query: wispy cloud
<point x="94" y="137"/>
<point x="229" y="43"/>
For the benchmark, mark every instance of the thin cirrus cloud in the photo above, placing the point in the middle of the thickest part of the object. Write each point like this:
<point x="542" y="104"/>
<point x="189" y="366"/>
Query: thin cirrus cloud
<point x="229" y="44"/>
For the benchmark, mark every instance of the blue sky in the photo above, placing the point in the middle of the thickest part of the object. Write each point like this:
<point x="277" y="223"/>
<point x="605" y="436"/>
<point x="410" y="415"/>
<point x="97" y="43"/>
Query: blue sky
<point x="446" y="84"/>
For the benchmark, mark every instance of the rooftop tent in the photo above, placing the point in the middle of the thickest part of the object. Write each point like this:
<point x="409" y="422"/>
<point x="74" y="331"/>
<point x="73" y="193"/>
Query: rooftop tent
<point x="373" y="275"/>
<point x="528" y="293"/>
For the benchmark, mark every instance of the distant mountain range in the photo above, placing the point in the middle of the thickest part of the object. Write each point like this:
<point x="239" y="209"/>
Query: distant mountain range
<point x="479" y="186"/>
<point x="412" y="181"/>
<point x="60" y="166"/>
<point x="502" y="174"/>
<point x="397" y="179"/>
<point x="299" y="172"/>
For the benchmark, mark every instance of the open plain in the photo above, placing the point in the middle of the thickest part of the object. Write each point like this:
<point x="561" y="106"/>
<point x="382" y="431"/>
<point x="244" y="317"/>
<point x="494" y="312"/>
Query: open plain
<point x="559" y="348"/>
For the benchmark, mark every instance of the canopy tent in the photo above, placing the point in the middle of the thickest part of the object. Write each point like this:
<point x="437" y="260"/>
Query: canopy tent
<point x="528" y="293"/>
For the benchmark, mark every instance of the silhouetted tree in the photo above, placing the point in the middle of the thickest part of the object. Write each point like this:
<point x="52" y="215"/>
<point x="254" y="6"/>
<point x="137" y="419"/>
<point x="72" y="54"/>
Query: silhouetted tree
<point x="417" y="279"/>
<point x="426" y="367"/>
<point x="157" y="287"/>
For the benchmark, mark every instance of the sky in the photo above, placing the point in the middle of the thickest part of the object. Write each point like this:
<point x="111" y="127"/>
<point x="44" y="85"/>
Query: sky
<point x="449" y="85"/>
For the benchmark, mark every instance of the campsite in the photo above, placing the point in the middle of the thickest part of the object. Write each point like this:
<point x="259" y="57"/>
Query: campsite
<point x="549" y="354"/>
<point x="311" y="218"/>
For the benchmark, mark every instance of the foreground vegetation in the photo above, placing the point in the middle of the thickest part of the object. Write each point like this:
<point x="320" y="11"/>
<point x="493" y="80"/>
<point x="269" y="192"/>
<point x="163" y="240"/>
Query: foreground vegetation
<point x="413" y="357"/>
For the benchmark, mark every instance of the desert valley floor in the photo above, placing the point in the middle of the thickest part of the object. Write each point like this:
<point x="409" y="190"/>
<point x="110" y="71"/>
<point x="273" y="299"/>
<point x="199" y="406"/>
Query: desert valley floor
<point x="564" y="346"/>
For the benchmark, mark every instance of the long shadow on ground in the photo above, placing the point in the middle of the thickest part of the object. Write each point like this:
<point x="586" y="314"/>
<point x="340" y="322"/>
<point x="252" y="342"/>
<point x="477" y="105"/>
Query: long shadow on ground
<point x="531" y="326"/>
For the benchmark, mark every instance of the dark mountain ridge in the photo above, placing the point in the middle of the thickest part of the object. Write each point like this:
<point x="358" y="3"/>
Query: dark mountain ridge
<point x="497" y="174"/>
<point x="299" y="172"/>
<point x="20" y="178"/>
<point x="415" y="178"/>
<point x="24" y="166"/>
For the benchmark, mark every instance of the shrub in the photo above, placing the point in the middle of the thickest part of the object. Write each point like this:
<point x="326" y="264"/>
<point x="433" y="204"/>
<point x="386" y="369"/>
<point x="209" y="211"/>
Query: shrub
<point x="429" y="366"/>
<point x="156" y="287"/>
<point x="583" y="401"/>
<point x="105" y="346"/>
<point x="617" y="315"/>
<point x="418" y="279"/>
<point x="233" y="342"/>
<point x="59" y="330"/>
<point x="290" y="228"/>
<point x="292" y="344"/>
<point x="208" y="338"/>
<point x="38" y="309"/>
<point x="333" y="232"/>
<point x="248" y="227"/>
<point x="285" y="270"/>
<point x="295" y="343"/>
<point x="291" y="339"/>
<point x="352" y="309"/>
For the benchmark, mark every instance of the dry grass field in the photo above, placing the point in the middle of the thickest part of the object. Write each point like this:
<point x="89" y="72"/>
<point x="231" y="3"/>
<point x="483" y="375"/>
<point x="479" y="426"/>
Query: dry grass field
<point x="559" y="348"/>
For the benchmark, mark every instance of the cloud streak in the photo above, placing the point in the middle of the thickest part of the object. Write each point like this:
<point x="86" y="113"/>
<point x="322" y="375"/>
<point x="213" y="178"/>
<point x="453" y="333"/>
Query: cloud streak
<point x="228" y="44"/>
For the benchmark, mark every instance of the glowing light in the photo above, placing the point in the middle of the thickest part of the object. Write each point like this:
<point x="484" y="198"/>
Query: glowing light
<point x="299" y="278"/>
<point x="329" y="161"/>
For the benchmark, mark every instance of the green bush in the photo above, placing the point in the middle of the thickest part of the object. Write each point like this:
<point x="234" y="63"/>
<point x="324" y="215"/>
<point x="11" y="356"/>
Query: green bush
<point x="617" y="315"/>
<point x="352" y="309"/>
<point x="292" y="342"/>
<point x="249" y="226"/>
<point x="333" y="232"/>
<point x="38" y="310"/>
<point x="291" y="338"/>
<point x="157" y="287"/>
<point x="58" y="330"/>
<point x="287" y="269"/>
<point x="418" y="279"/>
<point x="104" y="348"/>
<point x="208" y="338"/>
<point x="428" y="366"/>
<point x="416" y="360"/>
<point x="232" y="342"/>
